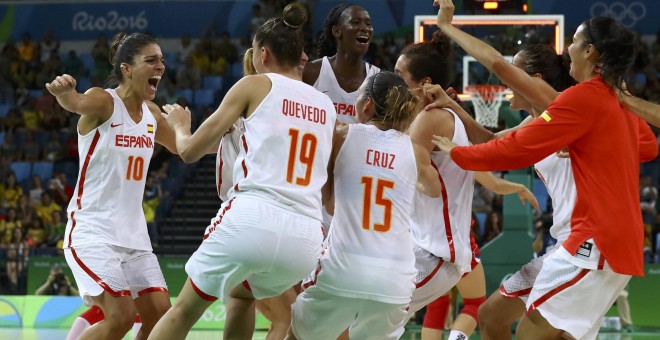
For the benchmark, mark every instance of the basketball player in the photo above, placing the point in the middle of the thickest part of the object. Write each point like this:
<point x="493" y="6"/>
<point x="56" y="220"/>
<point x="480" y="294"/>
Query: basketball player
<point x="598" y="255"/>
<point x="268" y="233"/>
<point x="276" y="309"/>
<point x="106" y="241"/>
<point x="650" y="112"/>
<point x="441" y="226"/>
<point x="341" y="69"/>
<point x="366" y="274"/>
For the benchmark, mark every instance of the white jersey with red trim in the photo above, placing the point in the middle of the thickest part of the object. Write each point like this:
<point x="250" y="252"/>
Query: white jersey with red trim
<point x="106" y="206"/>
<point x="557" y="175"/>
<point x="369" y="253"/>
<point x="224" y="162"/>
<point x="343" y="101"/>
<point x="441" y="225"/>
<point x="286" y="146"/>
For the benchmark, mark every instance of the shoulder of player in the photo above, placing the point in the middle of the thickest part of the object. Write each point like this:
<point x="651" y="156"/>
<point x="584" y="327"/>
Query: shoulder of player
<point x="434" y="116"/>
<point x="312" y="71"/>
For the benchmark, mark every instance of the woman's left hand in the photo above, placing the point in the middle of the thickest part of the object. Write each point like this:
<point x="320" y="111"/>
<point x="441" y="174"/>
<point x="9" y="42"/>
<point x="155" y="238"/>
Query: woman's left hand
<point x="178" y="117"/>
<point x="527" y="196"/>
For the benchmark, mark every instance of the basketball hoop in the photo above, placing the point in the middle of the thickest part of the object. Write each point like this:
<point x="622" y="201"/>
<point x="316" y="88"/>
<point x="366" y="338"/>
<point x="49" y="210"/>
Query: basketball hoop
<point x="487" y="99"/>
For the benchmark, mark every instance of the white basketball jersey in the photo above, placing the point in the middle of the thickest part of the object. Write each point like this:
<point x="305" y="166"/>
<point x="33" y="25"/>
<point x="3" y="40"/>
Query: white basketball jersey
<point x="343" y="101"/>
<point x="285" y="148"/>
<point x="441" y="225"/>
<point x="369" y="253"/>
<point x="557" y="175"/>
<point x="106" y="206"/>
<point x="224" y="162"/>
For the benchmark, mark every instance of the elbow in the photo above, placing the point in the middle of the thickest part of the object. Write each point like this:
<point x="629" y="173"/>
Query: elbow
<point x="187" y="156"/>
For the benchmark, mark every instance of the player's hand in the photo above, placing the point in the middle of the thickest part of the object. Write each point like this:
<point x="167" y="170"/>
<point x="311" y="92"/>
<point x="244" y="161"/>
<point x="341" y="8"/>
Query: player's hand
<point x="445" y="13"/>
<point x="438" y="98"/>
<point x="61" y="85"/>
<point x="177" y="117"/>
<point x="527" y="196"/>
<point x="563" y="153"/>
<point x="443" y="143"/>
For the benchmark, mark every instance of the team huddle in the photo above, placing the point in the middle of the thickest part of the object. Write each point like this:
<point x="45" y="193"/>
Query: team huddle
<point x="347" y="190"/>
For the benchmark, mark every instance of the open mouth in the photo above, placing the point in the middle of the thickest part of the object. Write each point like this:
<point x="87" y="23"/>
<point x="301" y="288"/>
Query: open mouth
<point x="363" y="39"/>
<point x="153" y="82"/>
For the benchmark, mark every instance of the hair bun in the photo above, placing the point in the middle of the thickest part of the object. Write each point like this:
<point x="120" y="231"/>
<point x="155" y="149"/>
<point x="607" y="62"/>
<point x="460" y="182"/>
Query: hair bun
<point x="294" y="15"/>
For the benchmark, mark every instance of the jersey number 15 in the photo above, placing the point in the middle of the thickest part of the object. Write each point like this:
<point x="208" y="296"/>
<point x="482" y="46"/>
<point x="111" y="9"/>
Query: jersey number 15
<point x="386" y="203"/>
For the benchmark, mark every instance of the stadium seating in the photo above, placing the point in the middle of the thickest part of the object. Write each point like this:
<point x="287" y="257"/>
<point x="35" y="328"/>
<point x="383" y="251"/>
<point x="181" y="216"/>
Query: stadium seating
<point x="22" y="170"/>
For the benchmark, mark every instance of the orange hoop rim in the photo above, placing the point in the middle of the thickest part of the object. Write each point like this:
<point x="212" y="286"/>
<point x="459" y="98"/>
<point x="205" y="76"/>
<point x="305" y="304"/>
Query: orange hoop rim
<point x="486" y="91"/>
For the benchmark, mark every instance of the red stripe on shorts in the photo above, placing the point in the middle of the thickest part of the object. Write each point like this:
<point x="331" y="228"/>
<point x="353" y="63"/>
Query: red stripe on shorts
<point x="98" y="280"/>
<point x="430" y="276"/>
<point x="222" y="214"/>
<point x="445" y="214"/>
<point x="152" y="290"/>
<point x="220" y="168"/>
<point x="515" y="294"/>
<point x="245" y="169"/>
<point x="601" y="262"/>
<point x="202" y="294"/>
<point x="81" y="180"/>
<point x="246" y="285"/>
<point x="555" y="291"/>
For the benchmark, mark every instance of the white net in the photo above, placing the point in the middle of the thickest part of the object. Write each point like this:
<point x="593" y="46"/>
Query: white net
<point x="486" y="100"/>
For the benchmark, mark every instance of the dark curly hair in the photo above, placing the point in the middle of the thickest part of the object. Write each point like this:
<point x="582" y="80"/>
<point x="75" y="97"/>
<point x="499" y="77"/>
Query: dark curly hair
<point x="327" y="46"/>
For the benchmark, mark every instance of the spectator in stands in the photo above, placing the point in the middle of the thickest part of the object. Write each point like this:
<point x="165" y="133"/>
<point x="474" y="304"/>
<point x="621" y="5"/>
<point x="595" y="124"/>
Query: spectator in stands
<point x="49" y="46"/>
<point x="170" y="96"/>
<point x="5" y="168"/>
<point x="7" y="227"/>
<point x="73" y="65"/>
<point x="493" y="225"/>
<point x="54" y="150"/>
<point x="71" y="147"/>
<point x="543" y="241"/>
<point x="227" y="49"/>
<point x="37" y="235"/>
<point x="11" y="192"/>
<point x="100" y="52"/>
<point x="217" y="63"/>
<point x="60" y="189"/>
<point x="8" y="148"/>
<point x="200" y="56"/>
<point x="36" y="190"/>
<point x="24" y="76"/>
<point x="25" y="210"/>
<point x="56" y="230"/>
<point x="184" y="50"/>
<point x="57" y="284"/>
<point x="26" y="48"/>
<point x="46" y="207"/>
<point x="30" y="148"/>
<point x="17" y="257"/>
<point x="188" y="76"/>
<point x="45" y="103"/>
<point x="648" y="198"/>
<point x="482" y="200"/>
<point x="257" y="20"/>
<point x="13" y="121"/>
<point x="6" y="86"/>
<point x="152" y="196"/>
<point x="32" y="117"/>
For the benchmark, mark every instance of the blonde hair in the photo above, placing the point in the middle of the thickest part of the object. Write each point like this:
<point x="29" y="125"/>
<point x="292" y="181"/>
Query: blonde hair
<point x="248" y="67"/>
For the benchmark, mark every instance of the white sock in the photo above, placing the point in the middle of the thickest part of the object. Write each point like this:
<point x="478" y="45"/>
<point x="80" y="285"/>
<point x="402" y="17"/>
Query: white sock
<point x="457" y="335"/>
<point x="77" y="328"/>
<point x="136" y="329"/>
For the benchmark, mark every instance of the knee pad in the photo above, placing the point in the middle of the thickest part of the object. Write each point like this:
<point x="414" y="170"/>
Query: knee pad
<point x="436" y="313"/>
<point x="93" y="315"/>
<point x="471" y="306"/>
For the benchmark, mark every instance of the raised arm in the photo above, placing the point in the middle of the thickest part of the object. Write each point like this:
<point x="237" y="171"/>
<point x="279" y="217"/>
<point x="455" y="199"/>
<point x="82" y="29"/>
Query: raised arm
<point x="648" y="111"/>
<point x="539" y="94"/>
<point x="242" y="97"/>
<point x="95" y="105"/>
<point x="504" y="187"/>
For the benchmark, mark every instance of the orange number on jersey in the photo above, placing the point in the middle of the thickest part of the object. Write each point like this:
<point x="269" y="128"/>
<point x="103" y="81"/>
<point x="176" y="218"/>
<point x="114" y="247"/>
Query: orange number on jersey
<point x="306" y="156"/>
<point x="381" y="185"/>
<point x="135" y="169"/>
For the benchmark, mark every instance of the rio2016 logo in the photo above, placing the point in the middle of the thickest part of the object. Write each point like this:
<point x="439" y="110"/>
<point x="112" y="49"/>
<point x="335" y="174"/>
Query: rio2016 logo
<point x="627" y="14"/>
<point x="112" y="21"/>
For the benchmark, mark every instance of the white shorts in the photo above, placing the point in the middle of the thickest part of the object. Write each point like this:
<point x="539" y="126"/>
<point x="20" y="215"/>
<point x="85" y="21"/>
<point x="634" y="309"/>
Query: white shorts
<point x="572" y="298"/>
<point x="269" y="246"/>
<point x="117" y="270"/>
<point x="320" y="315"/>
<point x="435" y="278"/>
<point x="520" y="284"/>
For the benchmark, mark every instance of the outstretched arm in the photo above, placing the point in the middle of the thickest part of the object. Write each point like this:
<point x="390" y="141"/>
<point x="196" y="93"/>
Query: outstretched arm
<point x="648" y="111"/>
<point x="504" y="187"/>
<point x="539" y="93"/>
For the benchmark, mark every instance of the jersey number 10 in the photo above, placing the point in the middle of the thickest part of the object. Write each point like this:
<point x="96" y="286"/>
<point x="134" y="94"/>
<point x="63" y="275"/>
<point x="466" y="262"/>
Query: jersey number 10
<point x="306" y="156"/>
<point x="135" y="169"/>
<point x="381" y="185"/>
